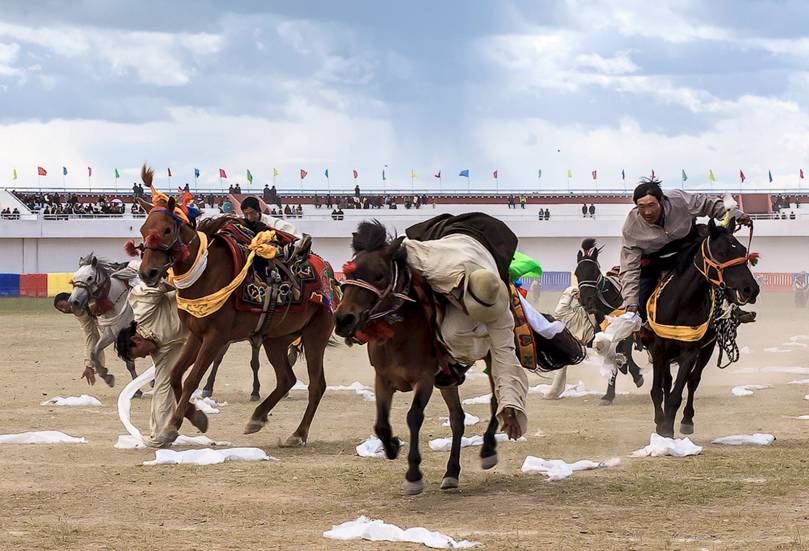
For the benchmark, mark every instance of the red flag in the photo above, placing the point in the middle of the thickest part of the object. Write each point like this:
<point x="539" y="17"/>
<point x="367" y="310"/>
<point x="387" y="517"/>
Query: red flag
<point x="438" y="174"/>
<point x="741" y="176"/>
<point x="303" y="174"/>
<point x="222" y="173"/>
<point x="595" y="175"/>
<point x="169" y="172"/>
<point x="41" y="171"/>
<point x="801" y="174"/>
<point x="356" y="174"/>
<point x="494" y="174"/>
<point x="89" y="171"/>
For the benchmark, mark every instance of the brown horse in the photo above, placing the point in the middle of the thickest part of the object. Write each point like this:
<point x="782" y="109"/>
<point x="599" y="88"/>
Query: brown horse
<point x="383" y="301"/>
<point x="170" y="242"/>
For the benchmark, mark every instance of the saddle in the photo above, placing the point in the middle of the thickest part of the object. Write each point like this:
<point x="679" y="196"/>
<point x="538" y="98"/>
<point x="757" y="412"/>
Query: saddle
<point x="293" y="277"/>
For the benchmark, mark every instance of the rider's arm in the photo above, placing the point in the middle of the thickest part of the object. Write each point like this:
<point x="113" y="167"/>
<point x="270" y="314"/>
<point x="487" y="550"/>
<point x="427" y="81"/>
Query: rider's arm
<point x="705" y="205"/>
<point x="630" y="275"/>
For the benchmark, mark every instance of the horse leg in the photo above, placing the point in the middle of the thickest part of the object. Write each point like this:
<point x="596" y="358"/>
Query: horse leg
<point x="130" y="366"/>
<point x="208" y="388"/>
<point x="276" y="350"/>
<point x="382" y="428"/>
<point x="634" y="369"/>
<point x="456" y="421"/>
<point x="316" y="336"/>
<point x="685" y="363"/>
<point x="687" y="423"/>
<point x="255" y="364"/>
<point x="414" y="482"/>
<point x="207" y="351"/>
<point x="488" y="452"/>
<point x="609" y="396"/>
<point x="659" y="367"/>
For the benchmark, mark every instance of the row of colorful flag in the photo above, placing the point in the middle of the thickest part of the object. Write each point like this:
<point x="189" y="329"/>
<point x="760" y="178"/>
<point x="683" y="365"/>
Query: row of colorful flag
<point x="41" y="171"/>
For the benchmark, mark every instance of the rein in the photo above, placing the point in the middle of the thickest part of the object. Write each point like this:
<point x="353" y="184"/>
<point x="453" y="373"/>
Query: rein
<point x="172" y="248"/>
<point x="401" y="295"/>
<point x="709" y="263"/>
<point x="600" y="285"/>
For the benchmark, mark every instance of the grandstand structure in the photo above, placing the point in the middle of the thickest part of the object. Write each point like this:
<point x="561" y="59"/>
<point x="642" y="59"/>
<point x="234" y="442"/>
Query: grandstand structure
<point x="39" y="250"/>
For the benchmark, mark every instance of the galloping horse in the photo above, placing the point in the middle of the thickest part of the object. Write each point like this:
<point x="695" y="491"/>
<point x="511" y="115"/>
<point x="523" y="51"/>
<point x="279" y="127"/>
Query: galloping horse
<point x="684" y="313"/>
<point x="169" y="241"/>
<point x="601" y="296"/>
<point x="385" y="301"/>
<point x="98" y="282"/>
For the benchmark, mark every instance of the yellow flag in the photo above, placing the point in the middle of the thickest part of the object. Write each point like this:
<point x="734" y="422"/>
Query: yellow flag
<point x="570" y="173"/>
<point x="275" y="172"/>
<point x="711" y="176"/>
<point x="412" y="173"/>
<point x="14" y="174"/>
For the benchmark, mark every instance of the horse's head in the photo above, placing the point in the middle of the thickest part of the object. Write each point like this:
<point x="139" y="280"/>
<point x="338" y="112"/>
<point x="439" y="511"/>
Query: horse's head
<point x="371" y="278"/>
<point x="87" y="283"/>
<point x="726" y="263"/>
<point x="588" y="274"/>
<point x="161" y="233"/>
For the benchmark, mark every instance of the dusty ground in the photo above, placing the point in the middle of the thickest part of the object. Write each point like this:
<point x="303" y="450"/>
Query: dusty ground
<point x="92" y="496"/>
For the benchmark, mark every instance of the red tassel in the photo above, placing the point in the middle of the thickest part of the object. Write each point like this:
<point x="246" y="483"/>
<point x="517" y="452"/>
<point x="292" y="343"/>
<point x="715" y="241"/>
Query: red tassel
<point x="753" y="258"/>
<point x="129" y="248"/>
<point x="153" y="240"/>
<point x="377" y="331"/>
<point x="349" y="268"/>
<point x="101" y="306"/>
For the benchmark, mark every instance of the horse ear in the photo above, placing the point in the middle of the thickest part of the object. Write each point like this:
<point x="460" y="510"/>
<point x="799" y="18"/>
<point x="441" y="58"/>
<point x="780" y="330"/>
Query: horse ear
<point x="144" y="204"/>
<point x="94" y="262"/>
<point x="355" y="243"/>
<point x="594" y="254"/>
<point x="579" y="256"/>
<point x="712" y="227"/>
<point x="394" y="248"/>
<point x="171" y="204"/>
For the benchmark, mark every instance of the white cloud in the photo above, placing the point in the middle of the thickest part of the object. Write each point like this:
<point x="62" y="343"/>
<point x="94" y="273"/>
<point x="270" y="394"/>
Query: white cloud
<point x="8" y="56"/>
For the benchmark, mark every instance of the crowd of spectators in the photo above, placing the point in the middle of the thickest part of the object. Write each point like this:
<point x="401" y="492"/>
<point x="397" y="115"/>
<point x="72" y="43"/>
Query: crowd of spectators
<point x="65" y="205"/>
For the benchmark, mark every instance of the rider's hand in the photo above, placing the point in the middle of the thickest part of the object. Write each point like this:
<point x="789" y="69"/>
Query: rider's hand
<point x="90" y="375"/>
<point x="633" y="308"/>
<point x="745" y="220"/>
<point x="510" y="425"/>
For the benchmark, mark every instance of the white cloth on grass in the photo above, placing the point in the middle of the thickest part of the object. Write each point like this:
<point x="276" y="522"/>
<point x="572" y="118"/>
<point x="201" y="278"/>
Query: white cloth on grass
<point x="445" y="444"/>
<point x="486" y="399"/>
<point x="207" y="456"/>
<point x="365" y="391"/>
<point x="83" y="400"/>
<point x="660" y="446"/>
<point x="556" y="469"/>
<point x="129" y="442"/>
<point x="747" y="390"/>
<point x="468" y="420"/>
<point x="41" y="437"/>
<point x="364" y="528"/>
<point x="757" y="439"/>
<point x="372" y="447"/>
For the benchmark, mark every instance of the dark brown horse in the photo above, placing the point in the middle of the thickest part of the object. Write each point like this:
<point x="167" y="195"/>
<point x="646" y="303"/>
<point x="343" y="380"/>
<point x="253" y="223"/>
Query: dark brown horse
<point x="713" y="270"/>
<point x="383" y="301"/>
<point x="169" y="242"/>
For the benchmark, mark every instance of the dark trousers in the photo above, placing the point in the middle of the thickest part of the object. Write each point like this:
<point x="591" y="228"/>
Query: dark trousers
<point x="649" y="275"/>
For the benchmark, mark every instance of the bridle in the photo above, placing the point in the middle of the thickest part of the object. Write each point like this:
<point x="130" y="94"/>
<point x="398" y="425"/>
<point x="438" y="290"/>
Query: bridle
<point x="101" y="284"/>
<point x="175" y="245"/>
<point x="710" y="263"/>
<point x="400" y="295"/>
<point x="599" y="284"/>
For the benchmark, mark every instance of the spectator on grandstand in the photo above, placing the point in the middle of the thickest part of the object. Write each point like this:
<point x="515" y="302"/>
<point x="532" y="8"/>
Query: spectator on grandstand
<point x="523" y="200"/>
<point x="541" y="214"/>
<point x="299" y="211"/>
<point x="547" y="214"/>
<point x="334" y="214"/>
<point x="584" y="210"/>
<point x="340" y="214"/>
<point x="357" y="191"/>
<point x="792" y="215"/>
<point x="592" y="210"/>
<point x="287" y="211"/>
<point x="237" y="189"/>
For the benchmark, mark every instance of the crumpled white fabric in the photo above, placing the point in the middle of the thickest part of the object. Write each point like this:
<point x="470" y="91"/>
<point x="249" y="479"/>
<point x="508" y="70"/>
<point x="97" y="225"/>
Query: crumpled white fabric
<point x="556" y="469"/>
<point x="445" y="444"/>
<point x="207" y="456"/>
<point x="478" y="400"/>
<point x="364" y="528"/>
<point x="747" y="390"/>
<point x="660" y="446"/>
<point x="125" y="400"/>
<point x="372" y="447"/>
<point x="571" y="391"/>
<point x="799" y="382"/>
<point x="606" y="342"/>
<point x="758" y="439"/>
<point x="300" y="385"/>
<point x="129" y="442"/>
<point x="538" y="322"/>
<point x="206" y="405"/>
<point x="365" y="391"/>
<point x="468" y="420"/>
<point x="41" y="437"/>
<point x="83" y="400"/>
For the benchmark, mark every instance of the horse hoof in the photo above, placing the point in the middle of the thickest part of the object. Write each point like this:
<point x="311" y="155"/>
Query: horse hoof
<point x="686" y="428"/>
<point x="200" y="420"/>
<point x="255" y="397"/>
<point x="254" y="425"/>
<point x="639" y="381"/>
<point x="207" y="393"/>
<point x="487" y="463"/>
<point x="167" y="436"/>
<point x="605" y="402"/>
<point x="294" y="442"/>
<point x="449" y="483"/>
<point x="413" y="488"/>
<point x="138" y="394"/>
<point x="109" y="379"/>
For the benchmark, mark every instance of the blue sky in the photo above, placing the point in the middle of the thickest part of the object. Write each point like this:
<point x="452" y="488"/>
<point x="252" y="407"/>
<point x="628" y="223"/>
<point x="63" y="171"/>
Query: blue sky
<point x="424" y="86"/>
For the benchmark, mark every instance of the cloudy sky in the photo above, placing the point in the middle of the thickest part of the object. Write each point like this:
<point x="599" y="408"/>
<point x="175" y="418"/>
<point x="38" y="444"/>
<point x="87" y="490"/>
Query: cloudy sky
<point x="424" y="86"/>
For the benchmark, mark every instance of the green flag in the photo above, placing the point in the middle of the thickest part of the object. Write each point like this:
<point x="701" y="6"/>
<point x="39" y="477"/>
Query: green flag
<point x="524" y="266"/>
<point x="539" y="173"/>
<point x="685" y="176"/>
<point x="249" y="176"/>
<point x="117" y="175"/>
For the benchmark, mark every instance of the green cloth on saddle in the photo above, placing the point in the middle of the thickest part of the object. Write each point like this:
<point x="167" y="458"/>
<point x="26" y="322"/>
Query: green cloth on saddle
<point x="523" y="265"/>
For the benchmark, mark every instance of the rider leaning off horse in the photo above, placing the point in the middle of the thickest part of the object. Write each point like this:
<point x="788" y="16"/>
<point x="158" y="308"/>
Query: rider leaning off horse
<point x="661" y="225"/>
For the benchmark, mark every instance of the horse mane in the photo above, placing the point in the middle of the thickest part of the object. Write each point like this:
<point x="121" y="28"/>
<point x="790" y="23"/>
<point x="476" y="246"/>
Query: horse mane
<point x="686" y="257"/>
<point x="370" y="236"/>
<point x="209" y="226"/>
<point x="102" y="264"/>
<point x="147" y="175"/>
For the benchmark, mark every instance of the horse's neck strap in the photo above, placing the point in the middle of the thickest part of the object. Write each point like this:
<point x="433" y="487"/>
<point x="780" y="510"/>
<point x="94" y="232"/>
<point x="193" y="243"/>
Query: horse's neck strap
<point x="192" y="275"/>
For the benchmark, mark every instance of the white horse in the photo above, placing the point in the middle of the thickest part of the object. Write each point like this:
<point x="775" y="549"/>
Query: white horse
<point x="104" y="288"/>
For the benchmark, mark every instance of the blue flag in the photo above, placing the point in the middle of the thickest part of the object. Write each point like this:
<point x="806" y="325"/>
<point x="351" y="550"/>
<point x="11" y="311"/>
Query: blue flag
<point x="464" y="172"/>
<point x="769" y="172"/>
<point x="64" y="171"/>
<point x="623" y="175"/>
<point x="196" y="173"/>
<point x="326" y="173"/>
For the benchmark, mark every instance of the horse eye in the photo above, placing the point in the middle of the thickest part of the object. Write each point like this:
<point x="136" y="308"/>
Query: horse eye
<point x="380" y="278"/>
<point x="167" y="231"/>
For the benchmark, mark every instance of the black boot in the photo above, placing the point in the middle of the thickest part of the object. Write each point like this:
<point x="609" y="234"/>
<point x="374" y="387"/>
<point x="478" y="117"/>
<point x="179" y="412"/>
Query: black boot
<point x="743" y="315"/>
<point x="455" y="376"/>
